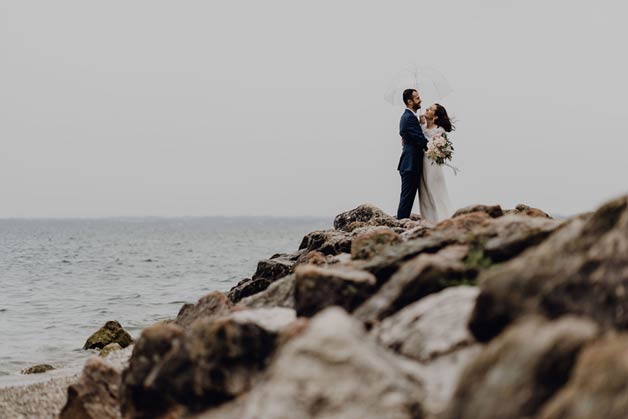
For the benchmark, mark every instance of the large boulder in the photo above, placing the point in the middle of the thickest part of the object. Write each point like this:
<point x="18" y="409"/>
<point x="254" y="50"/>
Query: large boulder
<point x="367" y="215"/>
<point x="520" y="370"/>
<point x="111" y="332"/>
<point x="215" y="361"/>
<point x="580" y="269"/>
<point x="597" y="387"/>
<point x="317" y="288"/>
<point x="421" y="276"/>
<point x="431" y="327"/>
<point x="369" y="244"/>
<point x="95" y="395"/>
<point x="267" y="272"/>
<point x="214" y="304"/>
<point x="433" y="331"/>
<point x="139" y="397"/>
<point x="331" y="370"/>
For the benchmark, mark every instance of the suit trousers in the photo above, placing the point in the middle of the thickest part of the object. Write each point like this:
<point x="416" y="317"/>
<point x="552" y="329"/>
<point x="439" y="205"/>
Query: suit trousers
<point x="409" y="189"/>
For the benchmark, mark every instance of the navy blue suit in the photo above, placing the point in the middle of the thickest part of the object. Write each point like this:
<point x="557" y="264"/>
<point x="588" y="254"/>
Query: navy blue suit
<point x="411" y="161"/>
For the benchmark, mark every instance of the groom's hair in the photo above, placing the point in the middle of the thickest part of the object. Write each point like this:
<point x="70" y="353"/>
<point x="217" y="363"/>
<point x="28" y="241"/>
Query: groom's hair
<point x="407" y="95"/>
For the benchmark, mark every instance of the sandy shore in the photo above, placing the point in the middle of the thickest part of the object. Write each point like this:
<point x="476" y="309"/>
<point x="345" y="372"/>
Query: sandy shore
<point x="43" y="395"/>
<point x="39" y="400"/>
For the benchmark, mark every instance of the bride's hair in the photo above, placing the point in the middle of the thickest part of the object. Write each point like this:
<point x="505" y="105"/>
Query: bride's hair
<point x="442" y="119"/>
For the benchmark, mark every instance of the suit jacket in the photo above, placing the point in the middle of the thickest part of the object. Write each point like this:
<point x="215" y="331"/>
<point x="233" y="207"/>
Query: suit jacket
<point x="414" y="142"/>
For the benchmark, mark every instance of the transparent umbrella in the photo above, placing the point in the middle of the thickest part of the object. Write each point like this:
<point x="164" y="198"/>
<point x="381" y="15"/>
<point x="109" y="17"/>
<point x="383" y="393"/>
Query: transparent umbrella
<point x="430" y="83"/>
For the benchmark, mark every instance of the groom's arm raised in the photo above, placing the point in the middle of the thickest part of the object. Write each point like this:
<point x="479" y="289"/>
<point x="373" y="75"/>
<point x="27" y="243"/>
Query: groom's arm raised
<point x="411" y="132"/>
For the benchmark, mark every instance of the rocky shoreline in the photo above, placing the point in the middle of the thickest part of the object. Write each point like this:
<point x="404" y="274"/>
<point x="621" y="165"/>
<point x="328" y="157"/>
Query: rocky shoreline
<point x="492" y="313"/>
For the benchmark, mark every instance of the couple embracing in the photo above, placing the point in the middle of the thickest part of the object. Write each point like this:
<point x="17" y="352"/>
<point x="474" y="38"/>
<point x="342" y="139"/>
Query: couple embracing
<point x="420" y="174"/>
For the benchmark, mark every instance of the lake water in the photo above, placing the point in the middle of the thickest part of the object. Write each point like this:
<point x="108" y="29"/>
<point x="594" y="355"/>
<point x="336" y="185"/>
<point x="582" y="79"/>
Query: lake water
<point x="60" y="280"/>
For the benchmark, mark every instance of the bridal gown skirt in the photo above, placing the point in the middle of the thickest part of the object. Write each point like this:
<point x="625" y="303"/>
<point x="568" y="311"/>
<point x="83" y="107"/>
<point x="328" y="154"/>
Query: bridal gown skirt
<point x="433" y="196"/>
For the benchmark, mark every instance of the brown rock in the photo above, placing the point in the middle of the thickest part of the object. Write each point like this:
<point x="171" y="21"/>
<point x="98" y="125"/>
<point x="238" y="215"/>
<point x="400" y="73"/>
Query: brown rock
<point x="317" y="288"/>
<point x="493" y="211"/>
<point x="518" y="372"/>
<point x="581" y="269"/>
<point x="464" y="223"/>
<point x="597" y="387"/>
<point x="367" y="214"/>
<point x="421" y="276"/>
<point x="369" y="244"/>
<point x="140" y="398"/>
<point x="214" y="305"/>
<point x="95" y="395"/>
<point x="531" y="212"/>
<point x="111" y="332"/>
<point x="215" y="361"/>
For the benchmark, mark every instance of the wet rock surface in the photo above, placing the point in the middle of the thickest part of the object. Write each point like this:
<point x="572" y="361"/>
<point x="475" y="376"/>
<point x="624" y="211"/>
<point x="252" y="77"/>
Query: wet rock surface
<point x="38" y="369"/>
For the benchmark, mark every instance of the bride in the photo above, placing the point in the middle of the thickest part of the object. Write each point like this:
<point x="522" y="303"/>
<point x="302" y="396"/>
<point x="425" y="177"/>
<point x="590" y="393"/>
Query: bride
<point x="433" y="195"/>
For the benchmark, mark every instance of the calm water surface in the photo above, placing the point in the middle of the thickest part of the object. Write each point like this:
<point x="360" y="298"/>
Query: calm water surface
<point x="60" y="280"/>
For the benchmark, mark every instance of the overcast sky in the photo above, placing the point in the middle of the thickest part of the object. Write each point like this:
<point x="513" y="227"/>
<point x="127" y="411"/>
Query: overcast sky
<point x="131" y="108"/>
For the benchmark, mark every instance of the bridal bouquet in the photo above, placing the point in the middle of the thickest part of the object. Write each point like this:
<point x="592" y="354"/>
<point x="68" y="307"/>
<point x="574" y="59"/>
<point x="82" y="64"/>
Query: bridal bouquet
<point x="440" y="149"/>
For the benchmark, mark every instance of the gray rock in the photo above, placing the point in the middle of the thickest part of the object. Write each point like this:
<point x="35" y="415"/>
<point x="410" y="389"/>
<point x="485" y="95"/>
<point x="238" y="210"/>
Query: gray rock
<point x="331" y="370"/>
<point x="520" y="370"/>
<point x="279" y="294"/>
<point x="317" y="288"/>
<point x="434" y="332"/>
<point x="580" y="269"/>
<point x="431" y="327"/>
<point x="423" y="275"/>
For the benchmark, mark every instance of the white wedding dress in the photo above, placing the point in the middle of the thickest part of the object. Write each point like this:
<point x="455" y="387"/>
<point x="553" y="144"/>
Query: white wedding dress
<point x="433" y="196"/>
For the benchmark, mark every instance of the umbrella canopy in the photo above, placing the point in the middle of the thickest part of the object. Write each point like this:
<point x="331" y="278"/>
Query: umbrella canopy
<point x="428" y="81"/>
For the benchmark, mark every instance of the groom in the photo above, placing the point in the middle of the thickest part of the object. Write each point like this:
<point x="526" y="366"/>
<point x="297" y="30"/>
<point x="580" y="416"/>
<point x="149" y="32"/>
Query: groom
<point x="411" y="162"/>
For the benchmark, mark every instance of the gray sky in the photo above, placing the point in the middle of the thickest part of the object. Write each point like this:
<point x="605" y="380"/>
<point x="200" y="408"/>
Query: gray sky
<point x="276" y="107"/>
